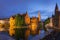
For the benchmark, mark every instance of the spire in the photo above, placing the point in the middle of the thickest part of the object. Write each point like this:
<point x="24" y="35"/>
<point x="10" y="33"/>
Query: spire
<point x="39" y="17"/>
<point x="26" y="12"/>
<point x="56" y="7"/>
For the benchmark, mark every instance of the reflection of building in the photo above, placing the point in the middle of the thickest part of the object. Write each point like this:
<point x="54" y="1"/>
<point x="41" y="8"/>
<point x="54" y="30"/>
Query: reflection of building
<point x="12" y="25"/>
<point x="34" y="23"/>
<point x="12" y="22"/>
<point x="31" y="22"/>
<point x="56" y="17"/>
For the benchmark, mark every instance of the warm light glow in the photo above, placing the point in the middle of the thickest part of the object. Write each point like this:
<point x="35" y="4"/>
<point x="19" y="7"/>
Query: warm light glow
<point x="12" y="26"/>
<point x="27" y="19"/>
<point x="2" y="21"/>
<point x="33" y="26"/>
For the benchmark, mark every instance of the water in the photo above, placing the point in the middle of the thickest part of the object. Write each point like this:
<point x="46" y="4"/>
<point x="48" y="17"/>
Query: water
<point x="5" y="36"/>
<point x="39" y="36"/>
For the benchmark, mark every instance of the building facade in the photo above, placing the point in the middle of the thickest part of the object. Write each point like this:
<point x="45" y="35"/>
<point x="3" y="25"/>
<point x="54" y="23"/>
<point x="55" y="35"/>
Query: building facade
<point x="32" y="23"/>
<point x="56" y="17"/>
<point x="12" y="26"/>
<point x="50" y="24"/>
<point x="4" y="24"/>
<point x="27" y="19"/>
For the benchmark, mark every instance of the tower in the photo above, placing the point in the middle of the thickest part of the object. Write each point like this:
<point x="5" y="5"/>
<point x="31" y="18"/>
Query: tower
<point x="56" y="9"/>
<point x="39" y="17"/>
<point x="27" y="19"/>
<point x="57" y="17"/>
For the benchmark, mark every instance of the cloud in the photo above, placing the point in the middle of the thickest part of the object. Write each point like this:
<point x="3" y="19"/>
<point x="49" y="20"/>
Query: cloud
<point x="10" y="7"/>
<point x="44" y="17"/>
<point x="44" y="13"/>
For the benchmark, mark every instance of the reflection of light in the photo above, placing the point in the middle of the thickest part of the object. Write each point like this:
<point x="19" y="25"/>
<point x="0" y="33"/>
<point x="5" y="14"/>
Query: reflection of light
<point x="32" y="25"/>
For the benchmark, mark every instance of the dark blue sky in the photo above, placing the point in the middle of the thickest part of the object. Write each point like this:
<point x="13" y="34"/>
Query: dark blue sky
<point x="11" y="7"/>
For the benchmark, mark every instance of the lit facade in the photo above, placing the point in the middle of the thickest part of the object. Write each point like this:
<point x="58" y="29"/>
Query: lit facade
<point x="32" y="23"/>
<point x="12" y="25"/>
<point x="50" y="24"/>
<point x="27" y="18"/>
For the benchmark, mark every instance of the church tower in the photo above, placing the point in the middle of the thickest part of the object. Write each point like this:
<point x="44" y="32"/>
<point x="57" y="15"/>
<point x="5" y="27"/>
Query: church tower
<point x="57" y="17"/>
<point x="39" y="17"/>
<point x="56" y="9"/>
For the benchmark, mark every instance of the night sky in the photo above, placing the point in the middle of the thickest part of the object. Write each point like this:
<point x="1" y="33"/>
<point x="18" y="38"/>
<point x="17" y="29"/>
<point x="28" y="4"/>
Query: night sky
<point x="12" y="7"/>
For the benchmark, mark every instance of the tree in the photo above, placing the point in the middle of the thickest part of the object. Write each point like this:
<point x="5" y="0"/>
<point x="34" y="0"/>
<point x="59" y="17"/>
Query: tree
<point x="19" y="31"/>
<point x="47" y="21"/>
<point x="40" y="25"/>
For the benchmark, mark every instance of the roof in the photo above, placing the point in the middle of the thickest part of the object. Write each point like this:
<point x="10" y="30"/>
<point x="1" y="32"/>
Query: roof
<point x="19" y="14"/>
<point x="4" y="18"/>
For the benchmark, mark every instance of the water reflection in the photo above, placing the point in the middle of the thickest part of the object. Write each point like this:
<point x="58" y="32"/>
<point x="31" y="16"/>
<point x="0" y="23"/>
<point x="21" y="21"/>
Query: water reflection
<point x="5" y="36"/>
<point x="39" y="36"/>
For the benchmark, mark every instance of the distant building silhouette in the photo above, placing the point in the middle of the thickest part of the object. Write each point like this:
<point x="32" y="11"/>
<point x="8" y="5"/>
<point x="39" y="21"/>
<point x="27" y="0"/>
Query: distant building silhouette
<point x="39" y="16"/>
<point x="56" y="17"/>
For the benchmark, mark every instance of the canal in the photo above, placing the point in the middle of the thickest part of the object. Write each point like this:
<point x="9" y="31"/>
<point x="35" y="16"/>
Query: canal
<point x="5" y="35"/>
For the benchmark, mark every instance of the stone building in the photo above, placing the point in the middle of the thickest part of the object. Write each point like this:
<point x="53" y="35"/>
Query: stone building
<point x="12" y="23"/>
<point x="4" y="24"/>
<point x="4" y="21"/>
<point x="27" y="19"/>
<point x="50" y="24"/>
<point x="32" y="23"/>
<point x="56" y="17"/>
<point x="39" y="17"/>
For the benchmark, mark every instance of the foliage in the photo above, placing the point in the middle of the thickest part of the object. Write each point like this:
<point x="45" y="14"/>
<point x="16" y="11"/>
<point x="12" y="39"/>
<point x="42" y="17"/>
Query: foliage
<point x="19" y="21"/>
<point x="47" y="21"/>
<point x="40" y="25"/>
